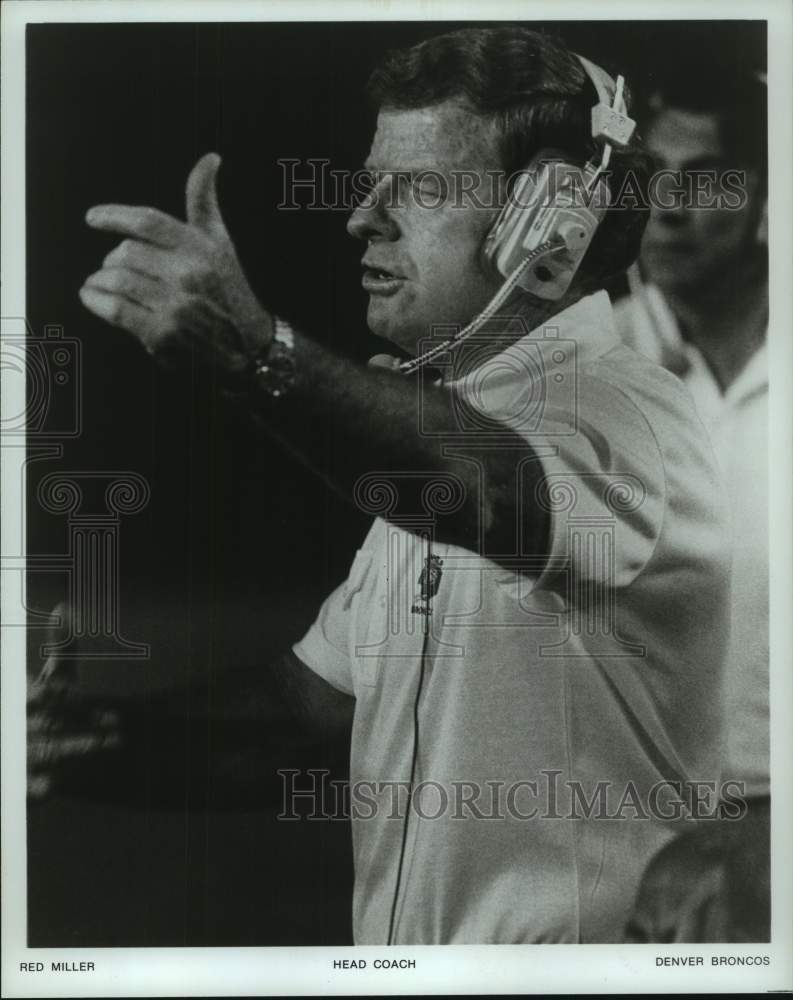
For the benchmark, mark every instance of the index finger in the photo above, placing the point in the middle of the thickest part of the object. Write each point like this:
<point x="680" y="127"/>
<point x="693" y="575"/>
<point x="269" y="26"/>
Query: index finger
<point x="149" y="224"/>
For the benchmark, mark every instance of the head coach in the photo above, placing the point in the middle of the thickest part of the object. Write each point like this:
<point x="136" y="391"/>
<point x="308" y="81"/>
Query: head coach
<point x="532" y="634"/>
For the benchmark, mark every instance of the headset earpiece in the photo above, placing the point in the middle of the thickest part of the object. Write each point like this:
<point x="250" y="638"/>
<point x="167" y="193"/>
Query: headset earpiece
<point x="553" y="202"/>
<point x="559" y="203"/>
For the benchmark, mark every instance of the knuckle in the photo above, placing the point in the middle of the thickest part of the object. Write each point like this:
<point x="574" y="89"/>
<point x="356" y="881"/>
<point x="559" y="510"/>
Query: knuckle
<point x="184" y="269"/>
<point x="192" y="272"/>
<point x="112" y="280"/>
<point x="125" y="250"/>
<point x="116" y="311"/>
<point x="116" y="254"/>
<point x="149" y="219"/>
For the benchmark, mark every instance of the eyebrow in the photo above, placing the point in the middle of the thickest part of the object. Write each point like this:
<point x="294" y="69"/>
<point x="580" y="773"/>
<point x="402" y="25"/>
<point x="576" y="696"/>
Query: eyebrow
<point x="431" y="163"/>
<point x="372" y="169"/>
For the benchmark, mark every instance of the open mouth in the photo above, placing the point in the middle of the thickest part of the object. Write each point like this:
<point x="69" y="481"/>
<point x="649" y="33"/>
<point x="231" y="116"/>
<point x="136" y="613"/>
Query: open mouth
<point x="380" y="280"/>
<point x="382" y="273"/>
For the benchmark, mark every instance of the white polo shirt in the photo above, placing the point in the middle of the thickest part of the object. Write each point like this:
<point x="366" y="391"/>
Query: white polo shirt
<point x="737" y="421"/>
<point x="603" y="667"/>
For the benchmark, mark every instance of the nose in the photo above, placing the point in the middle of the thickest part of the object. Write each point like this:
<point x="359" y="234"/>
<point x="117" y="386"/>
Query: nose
<point x="372" y="218"/>
<point x="668" y="218"/>
<point x="670" y="207"/>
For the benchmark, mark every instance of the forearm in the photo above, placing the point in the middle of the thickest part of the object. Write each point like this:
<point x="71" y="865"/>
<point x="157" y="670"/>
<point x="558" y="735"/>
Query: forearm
<point x="346" y="421"/>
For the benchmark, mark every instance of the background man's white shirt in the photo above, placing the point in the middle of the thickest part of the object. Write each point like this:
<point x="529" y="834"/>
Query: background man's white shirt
<point x="737" y="422"/>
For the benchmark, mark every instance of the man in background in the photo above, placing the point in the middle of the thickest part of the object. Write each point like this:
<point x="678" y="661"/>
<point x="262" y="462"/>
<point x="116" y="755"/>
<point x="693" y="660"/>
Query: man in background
<point x="699" y="306"/>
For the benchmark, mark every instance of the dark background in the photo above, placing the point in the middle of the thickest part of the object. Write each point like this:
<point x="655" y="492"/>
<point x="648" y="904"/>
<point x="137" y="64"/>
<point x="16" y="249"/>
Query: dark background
<point x="231" y="557"/>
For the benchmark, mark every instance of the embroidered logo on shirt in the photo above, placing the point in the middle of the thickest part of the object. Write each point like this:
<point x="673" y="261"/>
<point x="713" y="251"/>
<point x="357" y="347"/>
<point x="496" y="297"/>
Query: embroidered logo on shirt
<point x="429" y="581"/>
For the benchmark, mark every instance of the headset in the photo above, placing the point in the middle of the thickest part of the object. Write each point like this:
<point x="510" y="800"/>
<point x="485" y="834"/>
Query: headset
<point x="539" y="238"/>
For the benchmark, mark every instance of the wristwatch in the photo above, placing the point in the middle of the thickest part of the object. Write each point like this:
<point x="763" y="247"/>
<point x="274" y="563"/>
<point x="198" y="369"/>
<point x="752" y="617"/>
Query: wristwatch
<point x="274" y="370"/>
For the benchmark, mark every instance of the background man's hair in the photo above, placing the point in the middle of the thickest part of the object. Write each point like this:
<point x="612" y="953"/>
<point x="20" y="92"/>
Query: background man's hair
<point x="540" y="97"/>
<point x="736" y="95"/>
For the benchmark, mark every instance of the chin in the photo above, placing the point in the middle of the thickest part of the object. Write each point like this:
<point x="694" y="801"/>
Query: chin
<point x="675" y="279"/>
<point x="392" y="329"/>
<point x="669" y="270"/>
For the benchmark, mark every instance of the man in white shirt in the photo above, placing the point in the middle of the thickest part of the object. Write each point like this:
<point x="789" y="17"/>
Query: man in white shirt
<point x="539" y="612"/>
<point x="603" y="666"/>
<point x="703" y="314"/>
<point x="701" y="310"/>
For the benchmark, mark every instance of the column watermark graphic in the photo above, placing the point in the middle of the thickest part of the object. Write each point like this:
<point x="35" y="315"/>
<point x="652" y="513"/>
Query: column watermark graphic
<point x="94" y="503"/>
<point x="45" y="372"/>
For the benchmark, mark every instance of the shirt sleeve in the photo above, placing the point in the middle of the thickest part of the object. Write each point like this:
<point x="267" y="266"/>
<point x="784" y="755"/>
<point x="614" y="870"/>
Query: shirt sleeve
<point x="604" y="486"/>
<point x="327" y="646"/>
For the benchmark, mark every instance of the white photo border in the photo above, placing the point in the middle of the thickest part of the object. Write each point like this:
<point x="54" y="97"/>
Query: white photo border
<point x="439" y="969"/>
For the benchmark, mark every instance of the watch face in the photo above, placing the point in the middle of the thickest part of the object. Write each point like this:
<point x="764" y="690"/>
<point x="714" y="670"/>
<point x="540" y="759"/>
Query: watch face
<point x="277" y="375"/>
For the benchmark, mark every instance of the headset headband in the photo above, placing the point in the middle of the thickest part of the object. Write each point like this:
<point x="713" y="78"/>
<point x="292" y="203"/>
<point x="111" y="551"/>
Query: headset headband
<point x="601" y="81"/>
<point x="610" y="122"/>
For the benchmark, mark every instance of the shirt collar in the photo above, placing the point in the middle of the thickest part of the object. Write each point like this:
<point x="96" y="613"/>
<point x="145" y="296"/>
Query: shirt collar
<point x="688" y="362"/>
<point x="752" y="378"/>
<point x="589" y="322"/>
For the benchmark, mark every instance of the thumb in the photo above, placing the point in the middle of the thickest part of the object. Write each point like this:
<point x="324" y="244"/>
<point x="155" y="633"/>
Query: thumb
<point x="203" y="210"/>
<point x="384" y="361"/>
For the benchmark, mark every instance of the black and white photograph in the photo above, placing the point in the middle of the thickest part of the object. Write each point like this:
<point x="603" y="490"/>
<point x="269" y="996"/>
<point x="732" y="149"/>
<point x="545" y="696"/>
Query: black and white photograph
<point x="397" y="454"/>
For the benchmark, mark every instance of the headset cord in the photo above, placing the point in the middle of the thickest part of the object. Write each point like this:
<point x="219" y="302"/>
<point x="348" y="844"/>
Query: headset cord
<point x="549" y="246"/>
<point x="407" y="368"/>
<point x="414" y="758"/>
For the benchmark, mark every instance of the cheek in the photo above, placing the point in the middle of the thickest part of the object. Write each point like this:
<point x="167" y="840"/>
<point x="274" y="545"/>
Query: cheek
<point x="722" y="231"/>
<point x="451" y="242"/>
<point x="659" y="216"/>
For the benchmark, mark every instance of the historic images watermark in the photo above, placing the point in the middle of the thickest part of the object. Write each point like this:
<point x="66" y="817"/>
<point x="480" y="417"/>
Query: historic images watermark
<point x="313" y="795"/>
<point x="313" y="185"/>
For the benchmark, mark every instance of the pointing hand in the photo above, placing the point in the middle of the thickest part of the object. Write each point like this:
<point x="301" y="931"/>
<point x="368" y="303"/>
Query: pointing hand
<point x="178" y="286"/>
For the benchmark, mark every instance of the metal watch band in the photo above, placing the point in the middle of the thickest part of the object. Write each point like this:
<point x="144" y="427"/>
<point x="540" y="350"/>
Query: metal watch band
<point x="274" y="371"/>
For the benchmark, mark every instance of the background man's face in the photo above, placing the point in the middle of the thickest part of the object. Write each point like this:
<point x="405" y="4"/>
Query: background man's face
<point x="433" y="253"/>
<point x="684" y="247"/>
